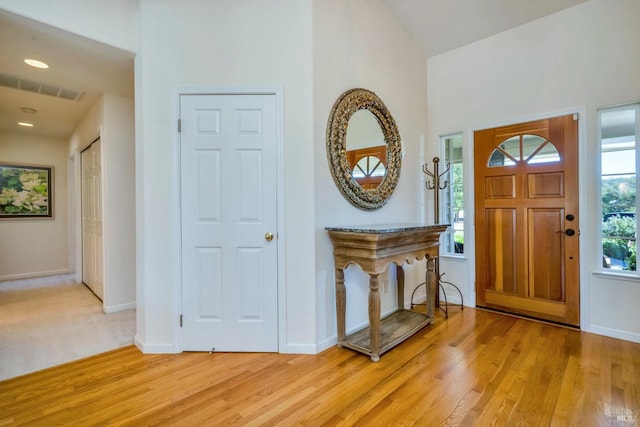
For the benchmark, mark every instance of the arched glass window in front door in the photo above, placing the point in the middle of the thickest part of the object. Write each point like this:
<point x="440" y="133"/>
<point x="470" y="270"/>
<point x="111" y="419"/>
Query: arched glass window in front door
<point x="531" y="149"/>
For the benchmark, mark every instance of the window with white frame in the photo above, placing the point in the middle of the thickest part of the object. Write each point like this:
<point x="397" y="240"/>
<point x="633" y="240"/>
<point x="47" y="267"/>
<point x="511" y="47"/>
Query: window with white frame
<point x="452" y="197"/>
<point x="618" y="130"/>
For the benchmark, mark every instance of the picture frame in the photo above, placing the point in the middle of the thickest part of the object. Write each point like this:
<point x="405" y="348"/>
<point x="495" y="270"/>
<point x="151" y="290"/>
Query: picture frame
<point x="26" y="191"/>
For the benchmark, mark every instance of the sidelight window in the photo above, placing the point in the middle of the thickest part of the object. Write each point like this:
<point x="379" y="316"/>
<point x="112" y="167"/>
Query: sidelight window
<point x="618" y="130"/>
<point x="453" y="201"/>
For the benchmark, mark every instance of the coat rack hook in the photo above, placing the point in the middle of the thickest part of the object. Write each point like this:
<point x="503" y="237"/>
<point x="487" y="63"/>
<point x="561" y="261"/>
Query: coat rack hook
<point x="436" y="183"/>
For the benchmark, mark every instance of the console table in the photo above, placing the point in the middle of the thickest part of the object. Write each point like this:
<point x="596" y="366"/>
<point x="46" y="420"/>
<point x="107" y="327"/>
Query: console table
<point x="373" y="248"/>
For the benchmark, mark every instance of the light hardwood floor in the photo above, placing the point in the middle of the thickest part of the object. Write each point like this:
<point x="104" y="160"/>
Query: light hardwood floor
<point x="477" y="368"/>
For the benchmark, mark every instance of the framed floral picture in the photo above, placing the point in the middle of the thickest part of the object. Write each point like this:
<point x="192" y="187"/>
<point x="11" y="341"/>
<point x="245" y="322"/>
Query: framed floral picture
<point x="26" y="191"/>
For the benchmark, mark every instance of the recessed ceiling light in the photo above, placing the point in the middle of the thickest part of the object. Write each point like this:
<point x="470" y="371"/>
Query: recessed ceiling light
<point x="29" y="125"/>
<point x="36" y="63"/>
<point x="28" y="110"/>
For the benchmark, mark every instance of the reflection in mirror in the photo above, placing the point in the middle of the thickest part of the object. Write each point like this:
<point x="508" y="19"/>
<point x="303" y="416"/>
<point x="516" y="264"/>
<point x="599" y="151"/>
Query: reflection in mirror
<point x="363" y="149"/>
<point x="369" y="166"/>
<point x="365" y="142"/>
<point x="364" y="131"/>
<point x="368" y="171"/>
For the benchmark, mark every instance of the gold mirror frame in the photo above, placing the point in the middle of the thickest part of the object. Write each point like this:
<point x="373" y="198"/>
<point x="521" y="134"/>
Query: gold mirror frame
<point x="346" y="105"/>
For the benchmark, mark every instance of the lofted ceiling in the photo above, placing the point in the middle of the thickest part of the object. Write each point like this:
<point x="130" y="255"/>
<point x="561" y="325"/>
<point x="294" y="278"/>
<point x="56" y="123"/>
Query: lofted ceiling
<point x="92" y="68"/>
<point x="443" y="25"/>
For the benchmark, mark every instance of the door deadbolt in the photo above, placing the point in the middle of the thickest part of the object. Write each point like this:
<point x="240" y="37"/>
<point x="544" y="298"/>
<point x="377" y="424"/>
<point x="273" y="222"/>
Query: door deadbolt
<point x="570" y="217"/>
<point x="268" y="236"/>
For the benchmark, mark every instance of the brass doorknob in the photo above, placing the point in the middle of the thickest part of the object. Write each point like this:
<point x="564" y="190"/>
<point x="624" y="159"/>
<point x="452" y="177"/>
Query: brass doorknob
<point x="268" y="236"/>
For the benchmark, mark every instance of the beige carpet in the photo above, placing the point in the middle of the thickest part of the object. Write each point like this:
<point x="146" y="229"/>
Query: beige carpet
<point x="53" y="320"/>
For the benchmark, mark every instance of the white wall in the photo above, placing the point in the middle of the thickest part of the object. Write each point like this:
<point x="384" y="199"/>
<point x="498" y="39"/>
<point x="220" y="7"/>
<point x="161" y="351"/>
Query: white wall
<point x="36" y="247"/>
<point x="358" y="43"/>
<point x="585" y="57"/>
<point x="111" y="119"/>
<point x="212" y="44"/>
<point x="118" y="160"/>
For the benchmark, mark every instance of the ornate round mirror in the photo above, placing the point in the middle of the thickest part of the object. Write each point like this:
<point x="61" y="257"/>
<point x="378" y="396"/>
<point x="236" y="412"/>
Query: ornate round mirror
<point x="363" y="149"/>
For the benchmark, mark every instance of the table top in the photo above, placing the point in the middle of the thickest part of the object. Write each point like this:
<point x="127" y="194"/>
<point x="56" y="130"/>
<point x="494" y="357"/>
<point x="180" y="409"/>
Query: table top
<point x="386" y="228"/>
<point x="373" y="247"/>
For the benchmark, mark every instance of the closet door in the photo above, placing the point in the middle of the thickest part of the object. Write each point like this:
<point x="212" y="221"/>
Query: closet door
<point x="92" y="219"/>
<point x="229" y="219"/>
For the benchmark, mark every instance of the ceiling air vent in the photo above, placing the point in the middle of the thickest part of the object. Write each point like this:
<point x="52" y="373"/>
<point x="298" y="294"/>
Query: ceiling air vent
<point x="14" y="82"/>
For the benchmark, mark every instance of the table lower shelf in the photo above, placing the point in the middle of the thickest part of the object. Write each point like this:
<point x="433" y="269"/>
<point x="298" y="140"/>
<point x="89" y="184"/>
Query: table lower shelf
<point x="394" y="329"/>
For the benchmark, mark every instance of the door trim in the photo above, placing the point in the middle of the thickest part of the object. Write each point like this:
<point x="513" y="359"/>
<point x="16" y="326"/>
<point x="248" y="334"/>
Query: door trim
<point x="587" y="239"/>
<point x="276" y="91"/>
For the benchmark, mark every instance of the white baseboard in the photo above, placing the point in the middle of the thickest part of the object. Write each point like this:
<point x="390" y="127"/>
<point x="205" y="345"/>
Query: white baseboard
<point x="451" y="299"/>
<point x="420" y="299"/>
<point x="614" y="333"/>
<point x="325" y="344"/>
<point x="300" y="349"/>
<point x="167" y="348"/>
<point x="120" y="307"/>
<point x="35" y="274"/>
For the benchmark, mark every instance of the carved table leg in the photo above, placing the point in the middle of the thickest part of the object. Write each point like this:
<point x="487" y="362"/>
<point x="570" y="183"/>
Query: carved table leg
<point x="341" y="305"/>
<point x="400" y="282"/>
<point x="431" y="285"/>
<point x="374" y="317"/>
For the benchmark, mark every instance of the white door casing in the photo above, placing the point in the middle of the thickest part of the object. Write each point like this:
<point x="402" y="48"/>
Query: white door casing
<point x="92" y="264"/>
<point x="228" y="152"/>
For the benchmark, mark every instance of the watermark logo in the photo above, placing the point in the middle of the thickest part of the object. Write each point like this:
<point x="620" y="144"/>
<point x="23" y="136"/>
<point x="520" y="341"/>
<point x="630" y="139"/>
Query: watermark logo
<point x="620" y="414"/>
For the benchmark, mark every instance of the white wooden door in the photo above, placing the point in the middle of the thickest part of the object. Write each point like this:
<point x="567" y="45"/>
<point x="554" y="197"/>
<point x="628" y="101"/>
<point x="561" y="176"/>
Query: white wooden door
<point x="228" y="189"/>
<point x="92" y="269"/>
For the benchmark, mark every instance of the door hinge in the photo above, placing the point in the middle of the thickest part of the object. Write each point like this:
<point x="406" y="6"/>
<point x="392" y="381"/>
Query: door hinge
<point x="179" y="125"/>
<point x="576" y="117"/>
<point x="181" y="320"/>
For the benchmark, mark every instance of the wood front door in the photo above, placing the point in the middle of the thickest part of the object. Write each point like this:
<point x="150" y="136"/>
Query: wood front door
<point x="229" y="218"/>
<point x="527" y="220"/>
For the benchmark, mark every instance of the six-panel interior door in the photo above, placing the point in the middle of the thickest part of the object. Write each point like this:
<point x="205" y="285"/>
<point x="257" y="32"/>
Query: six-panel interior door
<point x="527" y="222"/>
<point x="92" y="268"/>
<point x="229" y="249"/>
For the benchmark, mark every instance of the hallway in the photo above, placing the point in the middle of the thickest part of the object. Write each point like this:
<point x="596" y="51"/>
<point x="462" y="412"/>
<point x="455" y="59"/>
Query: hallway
<point x="52" y="320"/>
